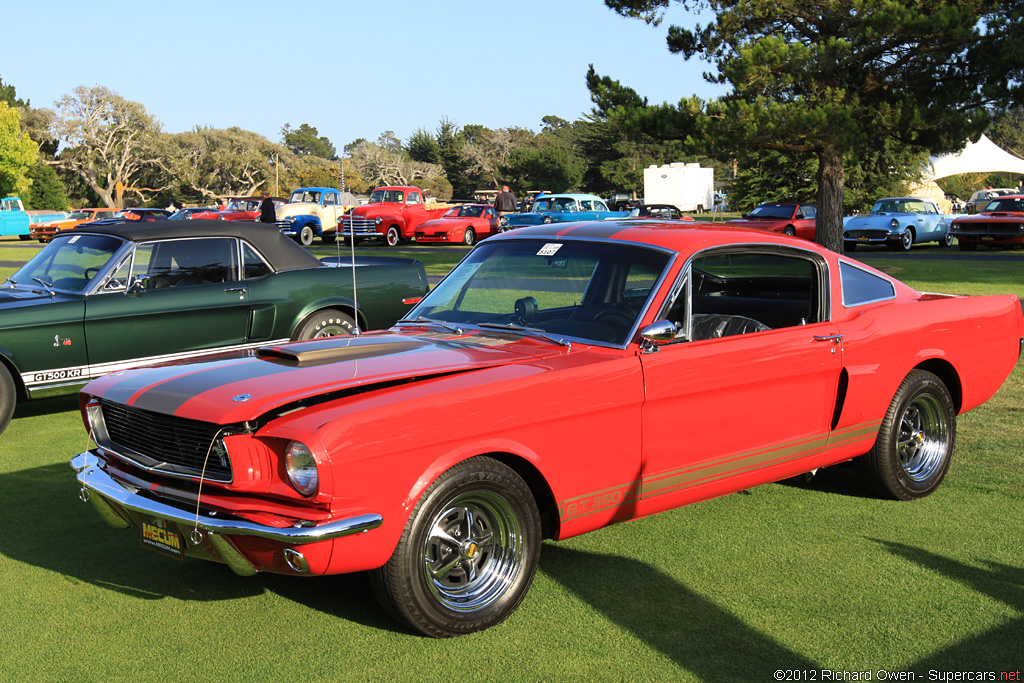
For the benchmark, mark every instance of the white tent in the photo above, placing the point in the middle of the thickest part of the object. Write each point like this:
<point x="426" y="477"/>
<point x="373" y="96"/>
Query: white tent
<point x="982" y="156"/>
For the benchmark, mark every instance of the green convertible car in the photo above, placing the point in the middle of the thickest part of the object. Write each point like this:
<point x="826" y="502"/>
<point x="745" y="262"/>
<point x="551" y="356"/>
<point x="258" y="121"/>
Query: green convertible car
<point x="103" y="298"/>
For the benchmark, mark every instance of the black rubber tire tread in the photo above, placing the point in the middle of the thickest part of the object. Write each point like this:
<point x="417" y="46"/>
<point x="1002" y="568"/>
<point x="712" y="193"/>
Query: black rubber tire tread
<point x="329" y="237"/>
<point x="398" y="584"/>
<point x="8" y="397"/>
<point x="789" y="230"/>
<point x="880" y="466"/>
<point x="308" y="328"/>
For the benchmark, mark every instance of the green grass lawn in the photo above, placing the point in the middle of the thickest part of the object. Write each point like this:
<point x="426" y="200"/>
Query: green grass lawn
<point x="781" y="576"/>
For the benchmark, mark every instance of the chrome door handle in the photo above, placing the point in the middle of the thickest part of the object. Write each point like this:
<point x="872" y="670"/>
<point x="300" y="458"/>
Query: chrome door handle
<point x="834" y="338"/>
<point x="241" y="291"/>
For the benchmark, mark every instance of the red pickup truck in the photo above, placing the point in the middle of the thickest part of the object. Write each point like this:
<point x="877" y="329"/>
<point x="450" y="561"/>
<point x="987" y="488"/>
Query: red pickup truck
<point x="393" y="214"/>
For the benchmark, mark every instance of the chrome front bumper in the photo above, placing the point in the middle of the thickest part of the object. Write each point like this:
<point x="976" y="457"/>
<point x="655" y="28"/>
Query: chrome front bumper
<point x="115" y="500"/>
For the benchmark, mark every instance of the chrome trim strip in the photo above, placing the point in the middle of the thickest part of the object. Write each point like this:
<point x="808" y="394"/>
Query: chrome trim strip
<point x="81" y="374"/>
<point x="97" y="482"/>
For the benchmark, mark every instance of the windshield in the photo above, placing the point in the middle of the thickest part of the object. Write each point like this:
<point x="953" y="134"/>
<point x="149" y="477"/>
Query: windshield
<point x="1008" y="204"/>
<point x="781" y="211"/>
<point x="69" y="262"/>
<point x="389" y="196"/>
<point x="563" y="204"/>
<point x="900" y="206"/>
<point x="79" y="216"/>
<point x="307" y="196"/>
<point x="591" y="291"/>
<point x="465" y="211"/>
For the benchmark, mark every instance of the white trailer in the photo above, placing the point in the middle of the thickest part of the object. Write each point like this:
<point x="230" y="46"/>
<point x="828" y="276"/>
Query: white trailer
<point x="686" y="186"/>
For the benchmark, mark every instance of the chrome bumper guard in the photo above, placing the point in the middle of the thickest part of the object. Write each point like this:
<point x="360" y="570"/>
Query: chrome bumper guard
<point x="100" y="489"/>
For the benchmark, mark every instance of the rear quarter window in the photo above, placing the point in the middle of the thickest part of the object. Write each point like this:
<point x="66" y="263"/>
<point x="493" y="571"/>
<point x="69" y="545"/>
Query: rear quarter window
<point x="861" y="287"/>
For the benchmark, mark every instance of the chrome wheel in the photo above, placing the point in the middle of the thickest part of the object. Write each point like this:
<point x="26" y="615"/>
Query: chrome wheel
<point x="473" y="551"/>
<point x="923" y="439"/>
<point x="915" y="441"/>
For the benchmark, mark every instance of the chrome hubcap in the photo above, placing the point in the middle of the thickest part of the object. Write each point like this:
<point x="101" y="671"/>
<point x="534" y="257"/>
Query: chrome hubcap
<point x="473" y="551"/>
<point x="923" y="439"/>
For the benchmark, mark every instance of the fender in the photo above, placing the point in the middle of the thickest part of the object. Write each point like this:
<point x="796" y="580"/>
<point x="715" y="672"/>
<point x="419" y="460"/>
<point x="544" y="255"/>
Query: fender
<point x="343" y="303"/>
<point x="297" y="223"/>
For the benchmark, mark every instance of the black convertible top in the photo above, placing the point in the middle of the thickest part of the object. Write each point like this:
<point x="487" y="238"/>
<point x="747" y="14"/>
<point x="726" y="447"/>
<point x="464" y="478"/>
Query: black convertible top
<point x="282" y="252"/>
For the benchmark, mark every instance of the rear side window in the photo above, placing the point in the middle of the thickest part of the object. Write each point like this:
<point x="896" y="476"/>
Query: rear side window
<point x="861" y="287"/>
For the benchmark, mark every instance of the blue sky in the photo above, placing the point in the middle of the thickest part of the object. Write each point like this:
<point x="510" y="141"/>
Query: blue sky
<point x="351" y="69"/>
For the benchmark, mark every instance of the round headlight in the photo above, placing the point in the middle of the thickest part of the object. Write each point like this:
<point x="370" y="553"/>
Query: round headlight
<point x="377" y="220"/>
<point x="894" y="223"/>
<point x="301" y="468"/>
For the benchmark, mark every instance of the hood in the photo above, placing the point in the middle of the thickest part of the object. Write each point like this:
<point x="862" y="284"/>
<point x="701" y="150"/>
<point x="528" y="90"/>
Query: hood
<point x="24" y="295"/>
<point x="244" y="388"/>
<point x="757" y="222"/>
<point x="296" y="209"/>
<point x="376" y="209"/>
<point x="448" y="223"/>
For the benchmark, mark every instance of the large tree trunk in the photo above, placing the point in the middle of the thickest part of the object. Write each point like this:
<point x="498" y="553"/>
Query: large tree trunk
<point x="828" y="227"/>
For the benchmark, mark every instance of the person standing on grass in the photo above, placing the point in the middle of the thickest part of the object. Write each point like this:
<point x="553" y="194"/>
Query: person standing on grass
<point x="505" y="202"/>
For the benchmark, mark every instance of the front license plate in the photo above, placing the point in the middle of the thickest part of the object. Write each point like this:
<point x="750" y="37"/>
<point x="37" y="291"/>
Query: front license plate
<point x="987" y="238"/>
<point x="863" y="239"/>
<point x="156" y="534"/>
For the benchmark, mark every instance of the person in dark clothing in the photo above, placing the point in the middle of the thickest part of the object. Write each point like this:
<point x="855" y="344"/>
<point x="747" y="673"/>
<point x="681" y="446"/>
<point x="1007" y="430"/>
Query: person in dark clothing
<point x="505" y="202"/>
<point x="267" y="213"/>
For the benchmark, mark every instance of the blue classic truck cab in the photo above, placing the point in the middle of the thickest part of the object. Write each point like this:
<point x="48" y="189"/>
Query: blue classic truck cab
<point x="13" y="219"/>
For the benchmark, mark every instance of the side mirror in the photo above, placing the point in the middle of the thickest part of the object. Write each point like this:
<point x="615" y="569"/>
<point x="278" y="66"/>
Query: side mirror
<point x="657" y="334"/>
<point x="140" y="285"/>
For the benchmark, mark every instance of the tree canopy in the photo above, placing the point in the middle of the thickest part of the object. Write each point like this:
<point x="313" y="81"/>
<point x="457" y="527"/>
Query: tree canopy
<point x="17" y="153"/>
<point x="835" y="80"/>
<point x="307" y="141"/>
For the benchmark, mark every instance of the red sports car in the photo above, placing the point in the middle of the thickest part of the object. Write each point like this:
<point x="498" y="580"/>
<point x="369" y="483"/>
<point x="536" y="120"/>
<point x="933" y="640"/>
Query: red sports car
<point x="1000" y="224"/>
<point x="789" y="219"/>
<point x="240" y="209"/>
<point x="597" y="371"/>
<point x="466" y="223"/>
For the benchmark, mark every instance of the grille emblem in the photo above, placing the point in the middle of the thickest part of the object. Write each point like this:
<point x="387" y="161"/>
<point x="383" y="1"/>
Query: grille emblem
<point x="241" y="397"/>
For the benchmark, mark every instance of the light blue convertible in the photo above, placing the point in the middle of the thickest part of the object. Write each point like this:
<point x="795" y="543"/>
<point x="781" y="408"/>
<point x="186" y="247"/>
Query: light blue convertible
<point x="558" y="208"/>
<point x="899" y="223"/>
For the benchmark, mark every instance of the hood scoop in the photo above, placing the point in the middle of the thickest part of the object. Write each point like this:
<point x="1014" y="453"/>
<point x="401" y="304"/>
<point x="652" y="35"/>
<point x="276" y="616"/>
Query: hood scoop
<point x="336" y="349"/>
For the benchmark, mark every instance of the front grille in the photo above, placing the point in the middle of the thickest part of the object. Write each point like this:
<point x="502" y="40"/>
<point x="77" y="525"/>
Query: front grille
<point x="989" y="228"/>
<point x="285" y="225"/>
<point x="165" y="442"/>
<point x="360" y="226"/>
<point x="870" y="234"/>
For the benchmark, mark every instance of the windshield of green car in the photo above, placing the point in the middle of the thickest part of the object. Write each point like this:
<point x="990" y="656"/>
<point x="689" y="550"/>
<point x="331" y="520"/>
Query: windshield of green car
<point x="589" y="291"/>
<point x="69" y="262"/>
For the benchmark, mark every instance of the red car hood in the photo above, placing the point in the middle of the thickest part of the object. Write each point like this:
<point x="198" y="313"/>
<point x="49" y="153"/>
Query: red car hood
<point x="445" y="223"/>
<point x="376" y="209"/>
<point x="243" y="388"/>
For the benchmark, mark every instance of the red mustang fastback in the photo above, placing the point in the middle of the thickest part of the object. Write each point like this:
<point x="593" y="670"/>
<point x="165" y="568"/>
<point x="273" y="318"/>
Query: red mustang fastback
<point x="1000" y="224"/>
<point x="466" y="223"/>
<point x="789" y="219"/>
<point x="600" y="372"/>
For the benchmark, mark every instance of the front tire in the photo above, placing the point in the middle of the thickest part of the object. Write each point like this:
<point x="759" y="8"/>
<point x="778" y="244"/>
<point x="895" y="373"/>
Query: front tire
<point x="947" y="240"/>
<point x="330" y="238"/>
<point x="306" y="235"/>
<point x="392" y="237"/>
<point x="469" y="238"/>
<point x="326" y="323"/>
<point x="468" y="553"/>
<point x="967" y="246"/>
<point x="915" y="443"/>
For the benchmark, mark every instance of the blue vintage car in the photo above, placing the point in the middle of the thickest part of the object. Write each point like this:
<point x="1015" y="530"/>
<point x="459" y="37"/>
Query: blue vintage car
<point x="557" y="208"/>
<point x="899" y="223"/>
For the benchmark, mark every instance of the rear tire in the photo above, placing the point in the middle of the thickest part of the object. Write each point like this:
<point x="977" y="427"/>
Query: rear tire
<point x="915" y="443"/>
<point x="468" y="553"/>
<point x="326" y="323"/>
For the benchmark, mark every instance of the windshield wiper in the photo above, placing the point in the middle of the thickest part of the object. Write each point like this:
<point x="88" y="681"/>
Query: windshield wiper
<point x="531" y="331"/>
<point x="12" y="283"/>
<point x="49" y="288"/>
<point x="428" y="321"/>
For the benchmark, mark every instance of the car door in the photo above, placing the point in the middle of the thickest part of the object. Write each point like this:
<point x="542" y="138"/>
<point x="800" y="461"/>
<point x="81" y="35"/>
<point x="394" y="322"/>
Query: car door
<point x="172" y="298"/>
<point x="747" y="392"/>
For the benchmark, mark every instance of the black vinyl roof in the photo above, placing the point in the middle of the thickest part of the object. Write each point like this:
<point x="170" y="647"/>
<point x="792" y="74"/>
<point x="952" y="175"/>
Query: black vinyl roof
<point x="282" y="252"/>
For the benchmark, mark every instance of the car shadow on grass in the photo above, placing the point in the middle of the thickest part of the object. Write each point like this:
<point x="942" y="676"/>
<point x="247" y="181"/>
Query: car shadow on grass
<point x="693" y="632"/>
<point x="44" y="524"/>
<point x="997" y="649"/>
